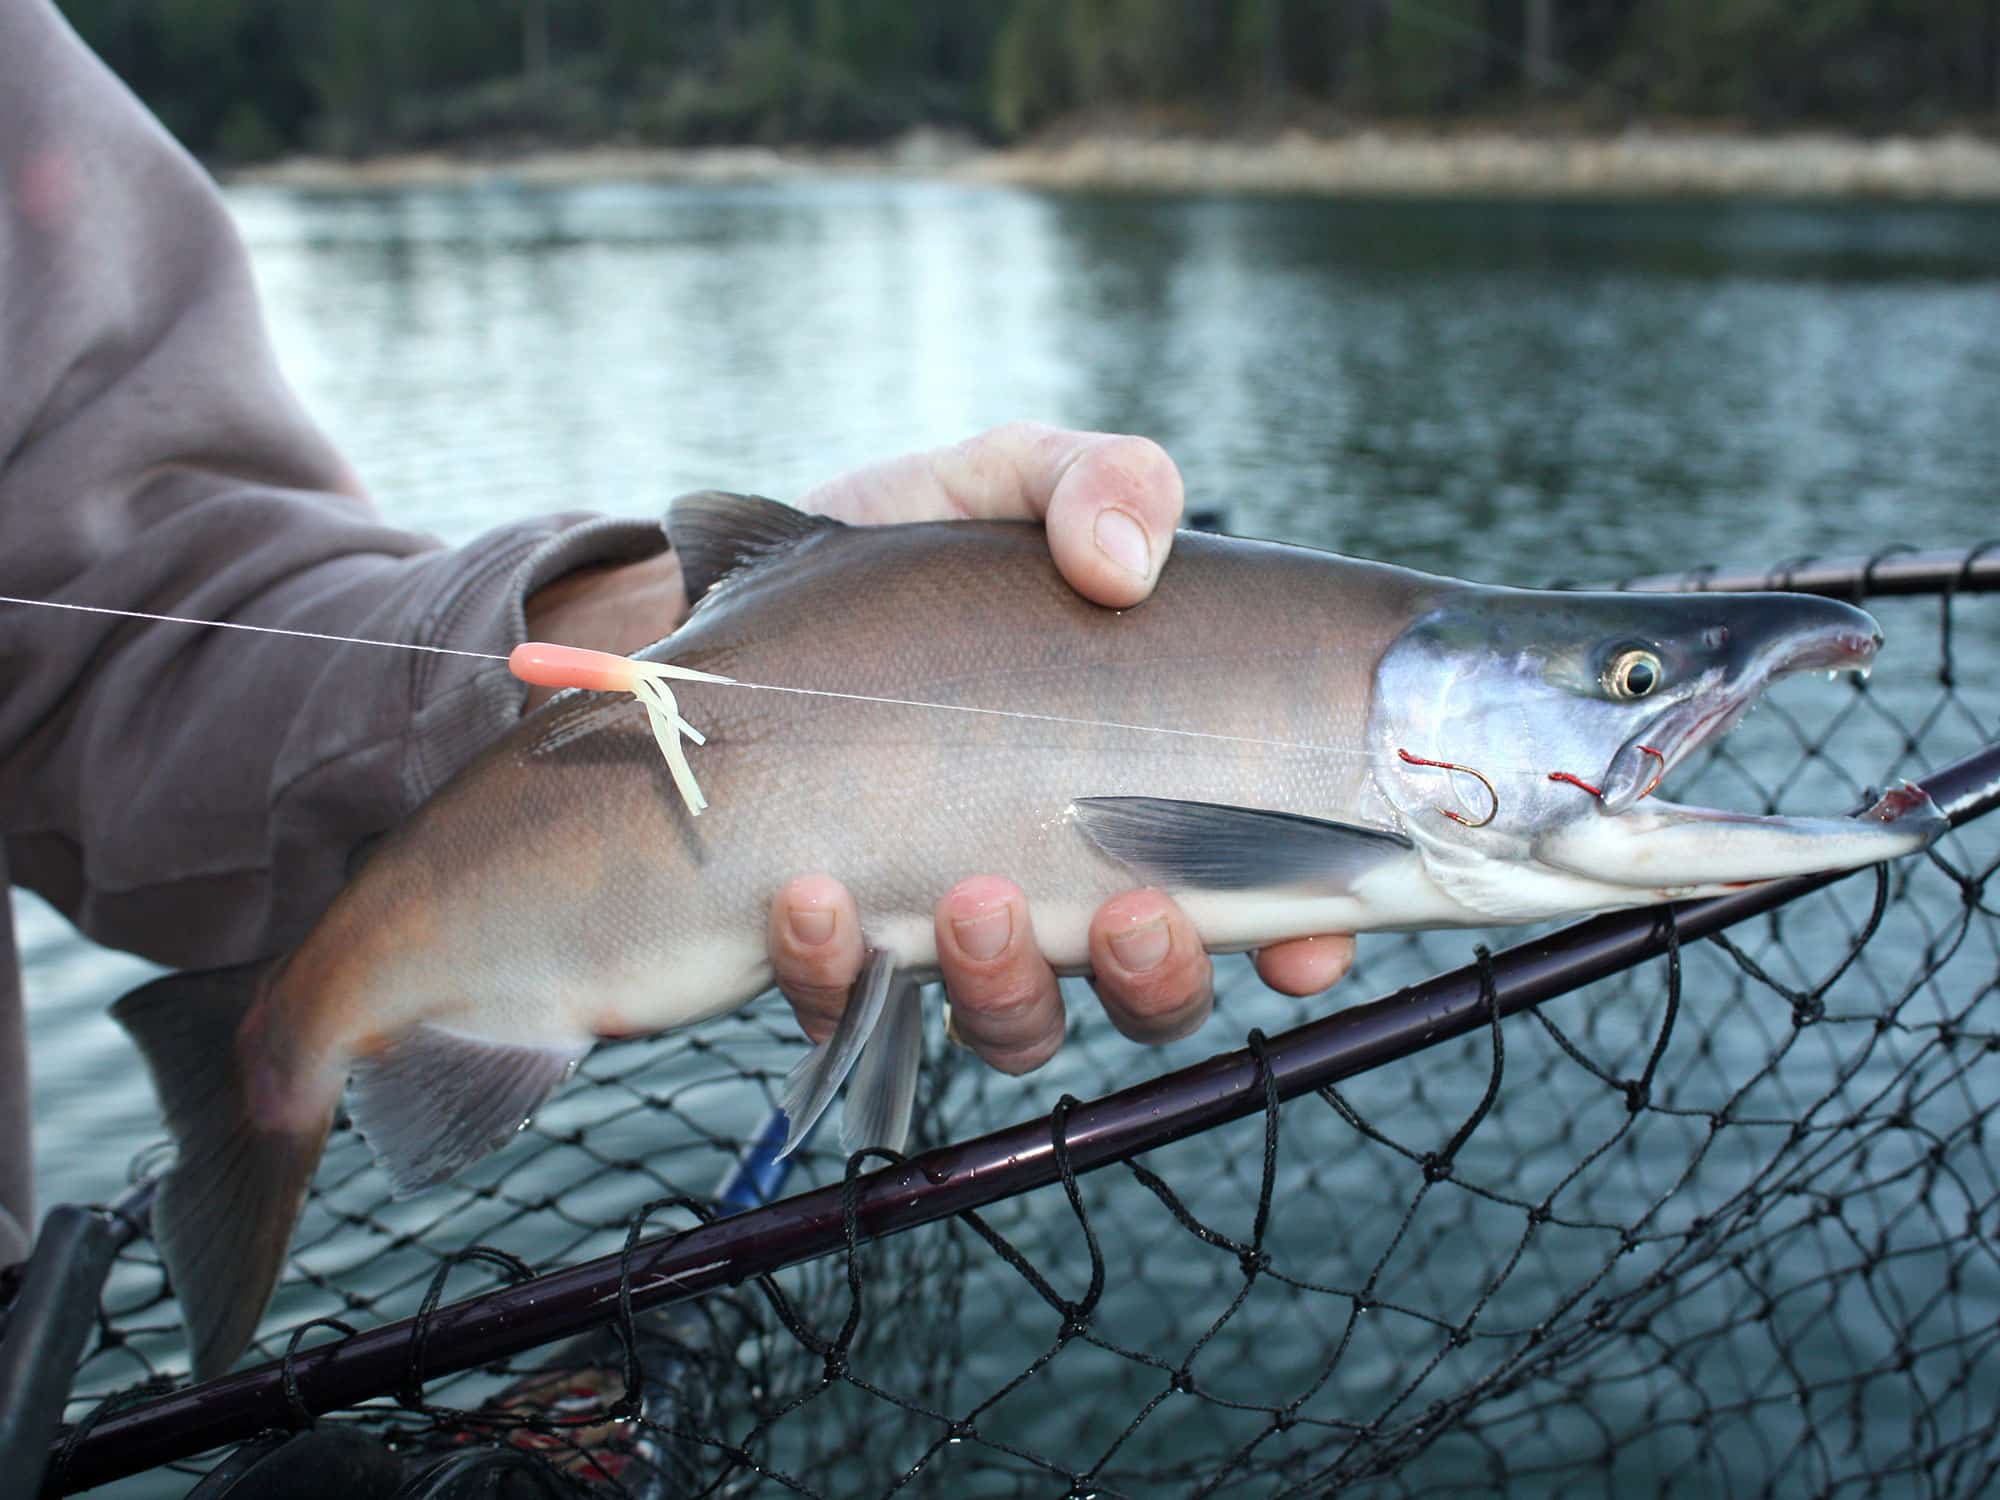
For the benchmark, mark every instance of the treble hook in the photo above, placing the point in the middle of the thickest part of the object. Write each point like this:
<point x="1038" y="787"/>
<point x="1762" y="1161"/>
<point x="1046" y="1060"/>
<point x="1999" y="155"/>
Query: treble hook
<point x="1446" y="765"/>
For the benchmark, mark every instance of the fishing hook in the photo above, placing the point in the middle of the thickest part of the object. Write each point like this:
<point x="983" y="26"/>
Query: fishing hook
<point x="1595" y="791"/>
<point x="1446" y="765"/>
<point x="1659" y="775"/>
<point x="1659" y="771"/>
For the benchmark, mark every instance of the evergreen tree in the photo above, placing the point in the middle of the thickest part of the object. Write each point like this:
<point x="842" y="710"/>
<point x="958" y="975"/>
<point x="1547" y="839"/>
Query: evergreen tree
<point x="243" y="78"/>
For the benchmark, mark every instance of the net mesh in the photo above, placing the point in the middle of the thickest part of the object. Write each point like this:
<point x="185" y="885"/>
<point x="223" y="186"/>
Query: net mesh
<point x="1725" y="1223"/>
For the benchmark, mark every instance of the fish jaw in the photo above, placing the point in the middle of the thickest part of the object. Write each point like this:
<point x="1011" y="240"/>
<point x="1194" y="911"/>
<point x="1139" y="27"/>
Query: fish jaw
<point x="1674" y="852"/>
<point x="1844" y="639"/>
<point x="1527" y="782"/>
<point x="1631" y="839"/>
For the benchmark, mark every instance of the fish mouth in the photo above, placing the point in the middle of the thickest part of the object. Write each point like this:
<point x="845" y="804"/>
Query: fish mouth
<point x="1847" y="644"/>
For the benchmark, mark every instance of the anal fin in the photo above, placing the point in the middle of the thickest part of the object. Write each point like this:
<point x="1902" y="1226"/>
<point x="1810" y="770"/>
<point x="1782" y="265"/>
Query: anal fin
<point x="437" y="1100"/>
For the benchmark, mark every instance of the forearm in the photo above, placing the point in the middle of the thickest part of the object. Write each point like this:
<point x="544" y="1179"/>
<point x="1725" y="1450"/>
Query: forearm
<point x="196" y="795"/>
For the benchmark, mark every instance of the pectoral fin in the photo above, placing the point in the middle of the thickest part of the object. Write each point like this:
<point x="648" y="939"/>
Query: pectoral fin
<point x="438" y="1100"/>
<point x="1207" y="846"/>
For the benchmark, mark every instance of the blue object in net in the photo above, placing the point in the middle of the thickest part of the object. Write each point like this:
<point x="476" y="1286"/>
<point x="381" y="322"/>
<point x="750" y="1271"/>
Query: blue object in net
<point x="759" y="1174"/>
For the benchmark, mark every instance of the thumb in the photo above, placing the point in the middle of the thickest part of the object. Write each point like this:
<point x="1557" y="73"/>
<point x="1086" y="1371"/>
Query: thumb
<point x="1110" y="502"/>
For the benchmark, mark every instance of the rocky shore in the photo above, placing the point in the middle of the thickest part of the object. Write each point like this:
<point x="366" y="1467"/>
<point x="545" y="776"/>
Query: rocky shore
<point x="1641" y="162"/>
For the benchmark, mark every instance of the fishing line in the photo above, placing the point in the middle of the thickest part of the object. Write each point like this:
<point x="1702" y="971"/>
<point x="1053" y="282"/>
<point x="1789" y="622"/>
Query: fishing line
<point x="764" y="687"/>
<point x="310" y="635"/>
<point x="1011" y="713"/>
<point x="647" y="681"/>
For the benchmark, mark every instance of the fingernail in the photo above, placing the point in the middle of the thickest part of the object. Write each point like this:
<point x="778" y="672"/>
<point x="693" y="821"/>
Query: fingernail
<point x="1141" y="948"/>
<point x="811" y="925"/>
<point x="1123" y="540"/>
<point x="985" y="935"/>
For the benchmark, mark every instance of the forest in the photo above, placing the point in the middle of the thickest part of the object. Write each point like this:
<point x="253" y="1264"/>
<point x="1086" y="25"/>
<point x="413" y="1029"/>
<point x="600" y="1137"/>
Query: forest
<point x="241" y="80"/>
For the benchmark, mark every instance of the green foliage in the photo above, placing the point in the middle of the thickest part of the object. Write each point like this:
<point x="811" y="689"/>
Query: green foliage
<point x="245" y="135"/>
<point x="1872" y="63"/>
<point x="1428" y="57"/>
<point x="245" y="78"/>
<point x="1034" y="74"/>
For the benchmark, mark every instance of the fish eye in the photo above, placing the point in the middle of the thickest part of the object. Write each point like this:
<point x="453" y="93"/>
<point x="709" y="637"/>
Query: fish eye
<point x="1633" y="673"/>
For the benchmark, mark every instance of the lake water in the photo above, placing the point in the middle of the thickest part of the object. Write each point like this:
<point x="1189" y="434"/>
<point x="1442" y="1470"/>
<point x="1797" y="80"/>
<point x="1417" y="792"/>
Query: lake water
<point x="1516" y="392"/>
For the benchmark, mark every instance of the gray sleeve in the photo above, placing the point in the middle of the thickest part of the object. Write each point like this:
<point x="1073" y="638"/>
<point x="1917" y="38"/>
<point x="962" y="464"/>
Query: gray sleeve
<point x="17" y="1167"/>
<point x="195" y="795"/>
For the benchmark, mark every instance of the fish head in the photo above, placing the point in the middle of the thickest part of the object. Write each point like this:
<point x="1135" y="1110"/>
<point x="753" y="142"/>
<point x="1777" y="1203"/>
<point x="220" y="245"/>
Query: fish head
<point x="1521" y="737"/>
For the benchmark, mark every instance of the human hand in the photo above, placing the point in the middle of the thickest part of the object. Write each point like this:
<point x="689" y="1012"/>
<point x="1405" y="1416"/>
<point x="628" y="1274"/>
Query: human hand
<point x="1109" y="502"/>
<point x="1147" y="966"/>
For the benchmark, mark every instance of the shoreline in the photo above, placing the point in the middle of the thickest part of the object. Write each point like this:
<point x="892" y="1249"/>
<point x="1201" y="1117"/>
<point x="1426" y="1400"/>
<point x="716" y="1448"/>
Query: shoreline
<point x="1366" y="162"/>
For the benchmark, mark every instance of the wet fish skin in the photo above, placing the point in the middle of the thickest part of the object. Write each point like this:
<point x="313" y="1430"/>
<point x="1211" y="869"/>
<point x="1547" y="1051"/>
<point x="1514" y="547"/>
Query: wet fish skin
<point x="559" y="890"/>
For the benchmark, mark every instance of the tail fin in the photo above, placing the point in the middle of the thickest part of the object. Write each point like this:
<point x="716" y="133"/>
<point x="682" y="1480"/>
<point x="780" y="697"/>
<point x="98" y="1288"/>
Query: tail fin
<point x="224" y="1213"/>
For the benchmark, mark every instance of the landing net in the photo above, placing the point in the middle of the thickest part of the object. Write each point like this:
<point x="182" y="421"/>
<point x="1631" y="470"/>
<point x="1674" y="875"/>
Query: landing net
<point x="1726" y="1221"/>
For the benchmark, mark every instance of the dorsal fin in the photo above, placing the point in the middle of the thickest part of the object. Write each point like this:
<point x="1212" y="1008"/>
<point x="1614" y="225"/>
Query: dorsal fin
<point x="717" y="533"/>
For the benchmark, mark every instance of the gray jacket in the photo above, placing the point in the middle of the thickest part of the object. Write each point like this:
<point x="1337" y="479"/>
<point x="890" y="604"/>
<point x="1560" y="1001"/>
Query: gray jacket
<point x="195" y="795"/>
